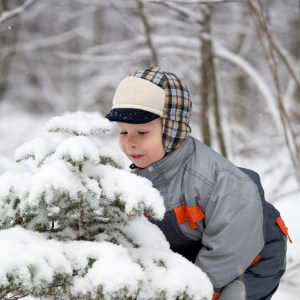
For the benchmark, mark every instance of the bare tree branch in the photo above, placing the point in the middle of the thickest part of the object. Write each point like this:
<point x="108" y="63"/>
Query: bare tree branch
<point x="54" y="40"/>
<point x="281" y="196"/>
<point x="147" y="32"/>
<point x="194" y="2"/>
<point x="123" y="45"/>
<point x="123" y="16"/>
<point x="281" y="105"/>
<point x="182" y="10"/>
<point x="6" y="15"/>
<point x="136" y="55"/>
<point x="255" y="76"/>
<point x="280" y="51"/>
<point x="285" y="58"/>
<point x="285" y="121"/>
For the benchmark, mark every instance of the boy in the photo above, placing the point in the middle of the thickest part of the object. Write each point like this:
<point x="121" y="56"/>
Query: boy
<point x="216" y="215"/>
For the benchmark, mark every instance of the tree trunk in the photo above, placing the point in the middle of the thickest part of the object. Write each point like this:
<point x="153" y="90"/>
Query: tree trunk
<point x="147" y="33"/>
<point x="209" y="91"/>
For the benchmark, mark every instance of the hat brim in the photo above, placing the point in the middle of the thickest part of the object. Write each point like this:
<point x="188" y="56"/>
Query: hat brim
<point x="131" y="116"/>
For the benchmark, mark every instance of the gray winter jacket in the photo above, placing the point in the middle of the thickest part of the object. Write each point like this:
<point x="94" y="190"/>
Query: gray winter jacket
<point x="213" y="203"/>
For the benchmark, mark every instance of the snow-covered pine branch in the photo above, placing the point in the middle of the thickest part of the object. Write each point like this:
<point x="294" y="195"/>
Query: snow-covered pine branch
<point x="76" y="225"/>
<point x="79" y="125"/>
<point x="38" y="149"/>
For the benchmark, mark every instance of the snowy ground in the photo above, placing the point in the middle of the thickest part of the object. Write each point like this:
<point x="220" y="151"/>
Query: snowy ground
<point x="18" y="127"/>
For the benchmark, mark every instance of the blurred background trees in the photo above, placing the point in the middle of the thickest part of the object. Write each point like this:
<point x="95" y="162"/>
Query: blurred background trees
<point x="240" y="60"/>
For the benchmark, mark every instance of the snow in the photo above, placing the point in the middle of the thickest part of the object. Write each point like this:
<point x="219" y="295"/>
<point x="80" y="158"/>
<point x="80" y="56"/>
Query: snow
<point x="136" y="192"/>
<point x="37" y="149"/>
<point x="110" y="153"/>
<point x="287" y="205"/>
<point x="78" y="149"/>
<point x="13" y="181"/>
<point x="139" y="228"/>
<point x="173" y="273"/>
<point x="79" y="125"/>
<point x="57" y="176"/>
<point x="30" y="187"/>
<point x="116" y="270"/>
<point x="289" y="211"/>
<point x="140" y="265"/>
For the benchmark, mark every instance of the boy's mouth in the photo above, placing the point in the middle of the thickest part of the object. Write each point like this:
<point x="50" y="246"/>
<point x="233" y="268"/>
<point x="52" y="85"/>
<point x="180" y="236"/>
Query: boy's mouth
<point x="134" y="156"/>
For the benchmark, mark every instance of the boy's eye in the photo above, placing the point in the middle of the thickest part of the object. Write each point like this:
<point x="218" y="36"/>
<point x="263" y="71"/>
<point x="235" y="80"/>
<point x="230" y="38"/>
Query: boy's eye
<point x="143" y="132"/>
<point x="121" y="133"/>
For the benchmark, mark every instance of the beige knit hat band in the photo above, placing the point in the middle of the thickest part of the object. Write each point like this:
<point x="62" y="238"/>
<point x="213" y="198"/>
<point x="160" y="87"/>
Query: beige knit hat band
<point x="139" y="93"/>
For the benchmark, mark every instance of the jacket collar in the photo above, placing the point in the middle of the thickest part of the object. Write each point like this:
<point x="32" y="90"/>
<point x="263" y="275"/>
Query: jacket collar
<point x="170" y="165"/>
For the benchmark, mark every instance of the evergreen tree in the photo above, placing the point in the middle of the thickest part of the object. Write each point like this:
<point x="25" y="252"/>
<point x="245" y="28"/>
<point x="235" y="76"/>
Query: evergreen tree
<point x="72" y="226"/>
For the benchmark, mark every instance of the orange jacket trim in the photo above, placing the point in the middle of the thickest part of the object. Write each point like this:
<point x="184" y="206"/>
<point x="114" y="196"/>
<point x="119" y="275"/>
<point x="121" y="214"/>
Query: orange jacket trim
<point x="283" y="228"/>
<point x="193" y="214"/>
<point x="256" y="259"/>
<point x="215" y="295"/>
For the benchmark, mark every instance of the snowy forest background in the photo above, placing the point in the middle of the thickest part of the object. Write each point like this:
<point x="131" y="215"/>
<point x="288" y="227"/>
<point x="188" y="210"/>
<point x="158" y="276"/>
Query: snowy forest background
<point x="240" y="61"/>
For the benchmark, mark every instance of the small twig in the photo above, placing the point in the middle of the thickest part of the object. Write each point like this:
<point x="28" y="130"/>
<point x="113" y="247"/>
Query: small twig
<point x="281" y="106"/>
<point x="6" y="15"/>
<point x="271" y="42"/>
<point x="123" y="16"/>
<point x="137" y="294"/>
<point x="286" y="62"/>
<point x="272" y="65"/>
<point x="183" y="11"/>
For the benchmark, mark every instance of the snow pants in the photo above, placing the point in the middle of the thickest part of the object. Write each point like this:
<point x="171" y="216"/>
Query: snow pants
<point x="260" y="281"/>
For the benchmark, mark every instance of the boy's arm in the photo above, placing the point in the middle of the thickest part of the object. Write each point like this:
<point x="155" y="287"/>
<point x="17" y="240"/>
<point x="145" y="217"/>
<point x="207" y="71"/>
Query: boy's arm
<point x="233" y="234"/>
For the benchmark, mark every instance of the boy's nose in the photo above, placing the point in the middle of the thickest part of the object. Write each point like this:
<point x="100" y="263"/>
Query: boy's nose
<point x="131" y="142"/>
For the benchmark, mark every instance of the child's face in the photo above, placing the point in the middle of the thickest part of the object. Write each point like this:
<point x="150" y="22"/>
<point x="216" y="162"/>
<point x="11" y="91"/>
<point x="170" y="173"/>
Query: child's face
<point x="142" y="143"/>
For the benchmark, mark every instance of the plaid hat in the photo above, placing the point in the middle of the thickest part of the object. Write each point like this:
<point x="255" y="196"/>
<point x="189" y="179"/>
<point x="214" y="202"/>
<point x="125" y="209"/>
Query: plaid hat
<point x="151" y="93"/>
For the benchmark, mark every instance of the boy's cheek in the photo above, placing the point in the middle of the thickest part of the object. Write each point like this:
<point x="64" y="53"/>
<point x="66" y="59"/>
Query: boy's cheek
<point x="122" y="145"/>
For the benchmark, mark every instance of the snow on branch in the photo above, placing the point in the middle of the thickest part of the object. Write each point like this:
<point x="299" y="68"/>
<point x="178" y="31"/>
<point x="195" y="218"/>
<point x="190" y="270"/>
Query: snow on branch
<point x="182" y="10"/>
<point x="6" y="15"/>
<point x="187" y="42"/>
<point x="98" y="270"/>
<point x="139" y="54"/>
<point x="77" y="150"/>
<point x="258" y="80"/>
<point x="178" y="51"/>
<point x="55" y="40"/>
<point x="160" y="41"/>
<point x="79" y="232"/>
<point x="38" y="149"/>
<point x="79" y="125"/>
<point x="193" y="2"/>
<point x="128" y="44"/>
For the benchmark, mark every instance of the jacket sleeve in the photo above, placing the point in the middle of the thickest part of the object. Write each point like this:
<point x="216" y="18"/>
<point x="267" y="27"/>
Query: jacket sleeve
<point x="233" y="234"/>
